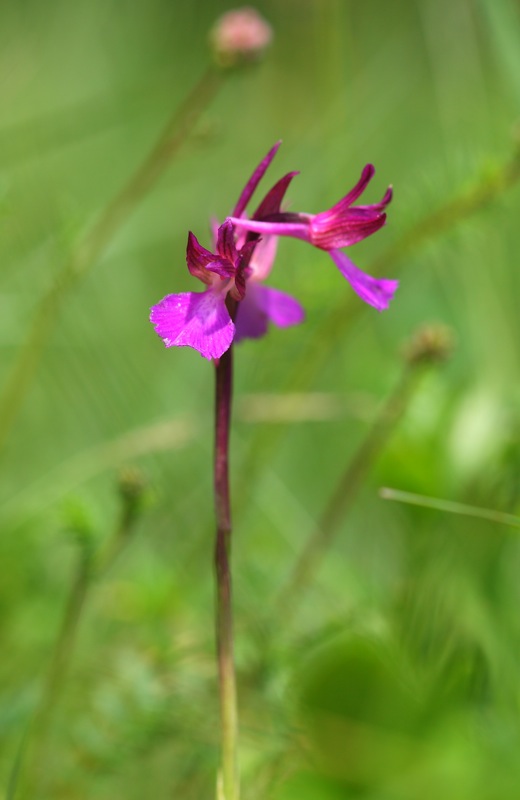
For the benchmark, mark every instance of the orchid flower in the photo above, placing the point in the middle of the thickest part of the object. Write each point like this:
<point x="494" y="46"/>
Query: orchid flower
<point x="235" y="304"/>
<point x="340" y="226"/>
<point x="202" y="319"/>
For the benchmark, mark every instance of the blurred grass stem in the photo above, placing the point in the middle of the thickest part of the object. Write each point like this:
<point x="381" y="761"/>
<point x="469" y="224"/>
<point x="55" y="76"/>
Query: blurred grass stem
<point x="228" y="783"/>
<point x="94" y="242"/>
<point x="90" y="566"/>
<point x="450" y="507"/>
<point x="347" y="488"/>
<point x="37" y="743"/>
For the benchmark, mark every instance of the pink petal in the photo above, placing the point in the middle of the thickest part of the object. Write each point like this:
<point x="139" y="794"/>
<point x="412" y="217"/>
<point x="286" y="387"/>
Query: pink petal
<point x="385" y="200"/>
<point x="226" y="242"/>
<point x="198" y="258"/>
<point x="273" y="199"/>
<point x="262" y="260"/>
<point x="262" y="305"/>
<point x="203" y="264"/>
<point x="297" y="228"/>
<point x="214" y="225"/>
<point x="253" y="181"/>
<point x="366" y="176"/>
<point x="238" y="291"/>
<point x="281" y="308"/>
<point x="194" y="319"/>
<point x="329" y="231"/>
<point x="251" y="322"/>
<point x="376" y="292"/>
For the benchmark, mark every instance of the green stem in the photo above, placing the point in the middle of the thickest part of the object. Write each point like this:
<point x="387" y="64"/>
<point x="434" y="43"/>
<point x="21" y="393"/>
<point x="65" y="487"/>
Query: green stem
<point x="346" y="490"/>
<point x="33" y="773"/>
<point x="177" y="129"/>
<point x="228" y="778"/>
<point x="450" y="507"/>
<point x="30" y="766"/>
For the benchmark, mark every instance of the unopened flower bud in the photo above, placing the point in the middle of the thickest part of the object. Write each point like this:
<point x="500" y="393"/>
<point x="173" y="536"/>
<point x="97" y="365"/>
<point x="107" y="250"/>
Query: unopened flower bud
<point x="240" y="37"/>
<point x="132" y="490"/>
<point x="430" y="344"/>
<point x="78" y="522"/>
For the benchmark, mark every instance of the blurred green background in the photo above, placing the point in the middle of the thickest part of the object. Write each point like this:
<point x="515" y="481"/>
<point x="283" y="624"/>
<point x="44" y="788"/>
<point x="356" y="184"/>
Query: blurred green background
<point x="396" y="674"/>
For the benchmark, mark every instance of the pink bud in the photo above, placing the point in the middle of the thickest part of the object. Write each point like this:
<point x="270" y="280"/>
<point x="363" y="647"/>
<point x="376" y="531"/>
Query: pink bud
<point x="240" y="36"/>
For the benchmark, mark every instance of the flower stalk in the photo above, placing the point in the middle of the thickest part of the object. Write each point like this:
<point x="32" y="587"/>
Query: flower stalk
<point x="90" y="248"/>
<point x="233" y="306"/>
<point x="228" y="786"/>
<point x="29" y="775"/>
<point x="345" y="492"/>
<point x="430" y="345"/>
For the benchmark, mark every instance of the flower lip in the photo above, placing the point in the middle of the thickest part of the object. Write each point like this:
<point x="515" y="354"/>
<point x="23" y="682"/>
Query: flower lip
<point x="194" y="319"/>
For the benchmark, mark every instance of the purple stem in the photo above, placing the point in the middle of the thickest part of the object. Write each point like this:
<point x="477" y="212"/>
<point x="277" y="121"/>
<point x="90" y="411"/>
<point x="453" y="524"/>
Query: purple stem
<point x="228" y="778"/>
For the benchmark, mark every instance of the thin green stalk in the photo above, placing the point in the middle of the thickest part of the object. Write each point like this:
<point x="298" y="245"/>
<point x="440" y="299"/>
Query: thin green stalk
<point x="176" y="131"/>
<point x="29" y="769"/>
<point x="450" y="507"/>
<point x="32" y="774"/>
<point x="346" y="490"/>
<point x="228" y="782"/>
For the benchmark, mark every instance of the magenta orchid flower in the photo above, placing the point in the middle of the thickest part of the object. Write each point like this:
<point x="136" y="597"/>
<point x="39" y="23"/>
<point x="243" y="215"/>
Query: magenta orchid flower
<point x="341" y="226"/>
<point x="201" y="319"/>
<point x="235" y="272"/>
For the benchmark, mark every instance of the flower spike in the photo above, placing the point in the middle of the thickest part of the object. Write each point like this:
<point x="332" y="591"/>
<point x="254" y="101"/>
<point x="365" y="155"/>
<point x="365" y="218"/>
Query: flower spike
<point x="244" y="250"/>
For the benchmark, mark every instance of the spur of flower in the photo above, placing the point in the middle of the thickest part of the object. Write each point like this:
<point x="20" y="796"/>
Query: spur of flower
<point x="235" y="304"/>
